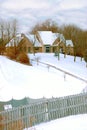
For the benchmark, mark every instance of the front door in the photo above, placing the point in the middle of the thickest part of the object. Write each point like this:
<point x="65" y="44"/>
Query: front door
<point x="47" y="48"/>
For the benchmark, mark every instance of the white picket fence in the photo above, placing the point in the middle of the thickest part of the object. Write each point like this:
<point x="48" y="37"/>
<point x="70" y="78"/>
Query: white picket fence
<point x="43" y="111"/>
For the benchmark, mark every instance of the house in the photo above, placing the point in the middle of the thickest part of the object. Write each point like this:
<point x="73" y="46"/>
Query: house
<point x="51" y="41"/>
<point x="46" y="40"/>
<point x="42" y="41"/>
<point x="22" y="42"/>
<point x="69" y="47"/>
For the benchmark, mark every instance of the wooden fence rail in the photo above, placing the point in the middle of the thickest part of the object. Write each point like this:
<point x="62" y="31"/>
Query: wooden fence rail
<point x="43" y="111"/>
<point x="61" y="70"/>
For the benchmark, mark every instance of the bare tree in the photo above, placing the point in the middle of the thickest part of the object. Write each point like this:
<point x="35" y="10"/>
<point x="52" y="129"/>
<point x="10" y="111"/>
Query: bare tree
<point x="78" y="37"/>
<point x="8" y="29"/>
<point x="2" y="30"/>
<point x="85" y="57"/>
<point x="14" y="28"/>
<point x="48" y="25"/>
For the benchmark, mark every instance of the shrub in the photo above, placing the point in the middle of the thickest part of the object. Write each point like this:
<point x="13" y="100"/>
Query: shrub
<point x="1" y="124"/>
<point x="23" y="58"/>
<point x="20" y="56"/>
<point x="12" y="53"/>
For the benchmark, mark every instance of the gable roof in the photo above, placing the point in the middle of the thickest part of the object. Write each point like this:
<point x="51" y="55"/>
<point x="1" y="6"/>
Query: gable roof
<point x="47" y="37"/>
<point x="31" y="38"/>
<point x="34" y="40"/>
<point x="60" y="37"/>
<point x="25" y="42"/>
<point x="15" y="41"/>
<point x="69" y="43"/>
<point x="20" y="39"/>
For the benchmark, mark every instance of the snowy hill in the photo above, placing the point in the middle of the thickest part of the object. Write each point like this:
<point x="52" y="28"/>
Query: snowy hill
<point x="36" y="81"/>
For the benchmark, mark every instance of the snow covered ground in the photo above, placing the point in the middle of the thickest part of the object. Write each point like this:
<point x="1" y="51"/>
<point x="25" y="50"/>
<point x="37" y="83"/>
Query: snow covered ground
<point x="18" y="80"/>
<point x="36" y="81"/>
<point x="78" y="122"/>
<point x="66" y="64"/>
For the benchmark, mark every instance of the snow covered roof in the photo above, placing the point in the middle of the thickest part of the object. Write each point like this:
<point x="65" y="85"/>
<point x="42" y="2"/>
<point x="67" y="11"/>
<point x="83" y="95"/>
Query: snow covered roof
<point x="69" y="43"/>
<point x="34" y="40"/>
<point x="31" y="37"/>
<point x="37" y="44"/>
<point x="15" y="40"/>
<point x="47" y="37"/>
<point x="62" y="38"/>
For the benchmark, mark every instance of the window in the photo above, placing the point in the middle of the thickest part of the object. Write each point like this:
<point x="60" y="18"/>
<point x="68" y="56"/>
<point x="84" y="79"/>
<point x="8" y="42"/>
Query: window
<point x="28" y="49"/>
<point x="36" y="48"/>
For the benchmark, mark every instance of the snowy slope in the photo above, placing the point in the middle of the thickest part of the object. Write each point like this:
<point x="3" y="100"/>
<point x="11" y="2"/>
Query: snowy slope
<point x="66" y="64"/>
<point x="18" y="81"/>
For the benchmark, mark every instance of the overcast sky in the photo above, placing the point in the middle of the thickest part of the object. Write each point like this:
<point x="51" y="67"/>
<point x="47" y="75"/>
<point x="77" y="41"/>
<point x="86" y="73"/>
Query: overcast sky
<point x="30" y="12"/>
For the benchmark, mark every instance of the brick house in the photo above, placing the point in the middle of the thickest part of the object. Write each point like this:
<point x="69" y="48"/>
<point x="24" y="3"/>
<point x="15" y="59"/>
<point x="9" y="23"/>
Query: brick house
<point x="42" y="41"/>
<point x="22" y="42"/>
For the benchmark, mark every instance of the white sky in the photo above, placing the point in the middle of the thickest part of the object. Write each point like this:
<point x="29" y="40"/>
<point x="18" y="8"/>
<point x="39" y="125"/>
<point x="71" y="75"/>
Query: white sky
<point x="29" y="12"/>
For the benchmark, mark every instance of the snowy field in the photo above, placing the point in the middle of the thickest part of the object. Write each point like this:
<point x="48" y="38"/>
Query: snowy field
<point x="37" y="81"/>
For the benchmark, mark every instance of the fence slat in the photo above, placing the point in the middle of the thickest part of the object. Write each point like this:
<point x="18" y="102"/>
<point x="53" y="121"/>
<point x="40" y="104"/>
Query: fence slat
<point x="38" y="112"/>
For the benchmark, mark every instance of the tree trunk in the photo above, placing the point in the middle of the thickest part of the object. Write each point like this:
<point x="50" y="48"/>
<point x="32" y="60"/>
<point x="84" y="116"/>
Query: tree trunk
<point x="74" y="58"/>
